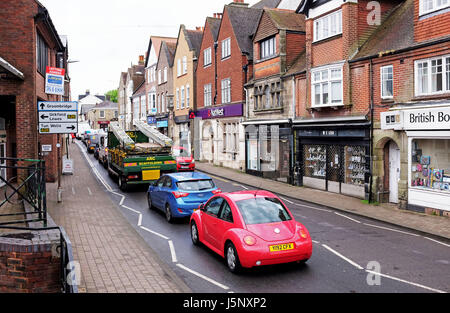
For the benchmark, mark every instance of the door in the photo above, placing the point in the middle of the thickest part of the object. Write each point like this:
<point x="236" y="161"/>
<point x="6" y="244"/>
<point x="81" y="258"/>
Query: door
<point x="210" y="220"/>
<point x="156" y="193"/>
<point x="394" y="172"/>
<point x="2" y="163"/>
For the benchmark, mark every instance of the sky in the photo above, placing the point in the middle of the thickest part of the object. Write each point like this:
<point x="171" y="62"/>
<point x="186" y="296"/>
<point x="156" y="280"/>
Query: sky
<point x="106" y="36"/>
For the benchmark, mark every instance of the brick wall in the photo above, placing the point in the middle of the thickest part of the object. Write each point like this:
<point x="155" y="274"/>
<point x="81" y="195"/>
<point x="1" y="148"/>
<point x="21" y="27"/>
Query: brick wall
<point x="27" y="267"/>
<point x="430" y="27"/>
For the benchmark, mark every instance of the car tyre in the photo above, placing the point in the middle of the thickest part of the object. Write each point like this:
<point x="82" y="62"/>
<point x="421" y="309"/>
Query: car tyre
<point x="122" y="185"/>
<point x="232" y="259"/>
<point x="169" y="216"/>
<point x="194" y="234"/>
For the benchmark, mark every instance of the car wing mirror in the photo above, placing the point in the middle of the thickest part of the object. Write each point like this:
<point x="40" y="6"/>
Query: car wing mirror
<point x="202" y="207"/>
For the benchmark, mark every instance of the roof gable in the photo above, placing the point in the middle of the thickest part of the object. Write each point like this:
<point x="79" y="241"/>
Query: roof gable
<point x="155" y="43"/>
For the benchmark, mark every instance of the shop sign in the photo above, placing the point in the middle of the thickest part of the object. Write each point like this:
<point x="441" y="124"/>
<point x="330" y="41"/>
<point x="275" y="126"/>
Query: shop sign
<point x="181" y="119"/>
<point x="419" y="119"/>
<point x="151" y="120"/>
<point x="226" y="111"/>
<point x="162" y="124"/>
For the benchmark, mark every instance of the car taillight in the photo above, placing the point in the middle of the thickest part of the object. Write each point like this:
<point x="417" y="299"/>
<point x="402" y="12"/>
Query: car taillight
<point x="250" y="241"/>
<point x="303" y="233"/>
<point x="217" y="191"/>
<point x="133" y="176"/>
<point x="178" y="195"/>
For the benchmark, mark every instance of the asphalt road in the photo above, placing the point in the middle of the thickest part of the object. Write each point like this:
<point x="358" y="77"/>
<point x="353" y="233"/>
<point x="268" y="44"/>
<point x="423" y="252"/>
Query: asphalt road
<point x="344" y="245"/>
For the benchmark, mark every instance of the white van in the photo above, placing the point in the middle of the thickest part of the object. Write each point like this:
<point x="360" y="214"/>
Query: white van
<point x="82" y="128"/>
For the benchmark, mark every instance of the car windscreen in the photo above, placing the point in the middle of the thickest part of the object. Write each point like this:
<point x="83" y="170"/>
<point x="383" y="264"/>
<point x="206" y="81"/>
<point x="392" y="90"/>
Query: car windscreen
<point x="263" y="211"/>
<point x="196" y="185"/>
<point x="94" y="139"/>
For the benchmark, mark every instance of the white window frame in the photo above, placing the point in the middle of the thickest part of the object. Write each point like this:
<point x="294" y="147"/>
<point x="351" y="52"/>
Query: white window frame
<point x="178" y="98"/>
<point x="226" y="90"/>
<point x="163" y="103"/>
<point x="185" y="65"/>
<point x="165" y="74"/>
<point x="436" y="6"/>
<point x="384" y="79"/>
<point x="207" y="95"/>
<point x="328" y="81"/>
<point x="102" y="114"/>
<point x="226" y="48"/>
<point x="159" y="77"/>
<point x="207" y="57"/>
<point x="445" y="79"/>
<point x="183" y="97"/>
<point x="325" y="23"/>
<point x="188" y="96"/>
<point x="268" y="48"/>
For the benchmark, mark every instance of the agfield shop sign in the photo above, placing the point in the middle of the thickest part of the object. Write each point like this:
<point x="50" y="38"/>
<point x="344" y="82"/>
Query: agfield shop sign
<point x="419" y="119"/>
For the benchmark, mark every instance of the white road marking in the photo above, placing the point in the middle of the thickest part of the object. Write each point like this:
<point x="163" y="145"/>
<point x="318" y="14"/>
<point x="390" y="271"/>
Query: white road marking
<point x="212" y="281"/>
<point x="343" y="257"/>
<point x="244" y="187"/>
<point x="132" y="210"/>
<point x="391" y="229"/>
<point x="140" y="220"/>
<point x="348" y="217"/>
<point x="154" y="233"/>
<point x="406" y="282"/>
<point x="288" y="201"/>
<point x="316" y="242"/>
<point x="172" y="252"/>
<point x="441" y="243"/>
<point x="311" y="207"/>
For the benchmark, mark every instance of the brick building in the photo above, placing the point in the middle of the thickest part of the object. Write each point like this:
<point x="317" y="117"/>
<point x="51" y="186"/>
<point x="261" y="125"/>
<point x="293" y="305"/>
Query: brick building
<point x="29" y="44"/>
<point x="278" y="50"/>
<point x="406" y="68"/>
<point x="164" y="89"/>
<point x="185" y="63"/>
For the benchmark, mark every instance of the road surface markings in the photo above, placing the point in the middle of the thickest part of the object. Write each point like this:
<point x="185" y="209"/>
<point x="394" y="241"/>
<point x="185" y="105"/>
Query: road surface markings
<point x="244" y="187"/>
<point x="140" y="220"/>
<point x="172" y="252"/>
<point x="132" y="210"/>
<point x="441" y="243"/>
<point x="405" y="281"/>
<point x="89" y="191"/>
<point x="347" y="217"/>
<point x="311" y="207"/>
<point x="212" y="281"/>
<point x="343" y="257"/>
<point x="391" y="229"/>
<point x="316" y="242"/>
<point x="154" y="233"/>
<point x="288" y="201"/>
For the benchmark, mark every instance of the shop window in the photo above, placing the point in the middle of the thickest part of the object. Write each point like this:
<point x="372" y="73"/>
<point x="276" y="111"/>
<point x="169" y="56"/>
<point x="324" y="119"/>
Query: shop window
<point x="315" y="160"/>
<point x="430" y="164"/>
<point x="355" y="165"/>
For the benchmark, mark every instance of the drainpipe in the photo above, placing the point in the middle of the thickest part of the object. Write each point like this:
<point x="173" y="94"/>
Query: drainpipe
<point x="371" y="130"/>
<point x="216" y="44"/>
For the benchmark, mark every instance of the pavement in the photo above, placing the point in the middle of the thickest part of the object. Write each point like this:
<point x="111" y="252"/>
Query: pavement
<point x="431" y="225"/>
<point x="113" y="257"/>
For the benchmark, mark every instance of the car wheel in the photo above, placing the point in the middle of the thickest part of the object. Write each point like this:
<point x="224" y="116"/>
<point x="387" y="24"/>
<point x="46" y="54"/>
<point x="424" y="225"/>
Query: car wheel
<point x="169" y="216"/>
<point x="122" y="185"/>
<point x="232" y="259"/>
<point x="194" y="234"/>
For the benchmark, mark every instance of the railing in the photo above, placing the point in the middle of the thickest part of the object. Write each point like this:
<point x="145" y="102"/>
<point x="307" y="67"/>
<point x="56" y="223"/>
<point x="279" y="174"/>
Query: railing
<point x="30" y="189"/>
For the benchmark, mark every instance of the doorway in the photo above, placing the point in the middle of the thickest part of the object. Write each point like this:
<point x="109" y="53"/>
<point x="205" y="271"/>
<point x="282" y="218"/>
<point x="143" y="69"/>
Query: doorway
<point x="394" y="172"/>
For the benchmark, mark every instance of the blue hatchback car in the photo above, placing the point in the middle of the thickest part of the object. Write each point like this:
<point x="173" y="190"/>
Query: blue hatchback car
<point x="179" y="194"/>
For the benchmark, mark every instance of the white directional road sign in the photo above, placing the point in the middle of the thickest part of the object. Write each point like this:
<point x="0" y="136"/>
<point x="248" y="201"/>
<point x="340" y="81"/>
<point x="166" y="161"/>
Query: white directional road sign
<point x="58" y="128"/>
<point x="58" y="117"/>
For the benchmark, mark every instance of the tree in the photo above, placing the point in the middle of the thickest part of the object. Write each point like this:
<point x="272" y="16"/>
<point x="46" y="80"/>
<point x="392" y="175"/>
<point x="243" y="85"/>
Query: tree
<point x="113" y="95"/>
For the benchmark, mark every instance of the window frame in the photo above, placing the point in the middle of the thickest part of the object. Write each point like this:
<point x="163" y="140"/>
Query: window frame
<point x="207" y="57"/>
<point x="207" y="95"/>
<point x="445" y="79"/>
<point x="226" y="48"/>
<point x="382" y="81"/>
<point x="319" y="28"/>
<point x="329" y="81"/>
<point x="263" y="45"/>
<point x="423" y="11"/>
<point x="226" y="98"/>
<point x="182" y="97"/>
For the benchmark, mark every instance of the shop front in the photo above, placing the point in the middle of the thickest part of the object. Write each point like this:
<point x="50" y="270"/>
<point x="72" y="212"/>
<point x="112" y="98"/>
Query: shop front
<point x="427" y="130"/>
<point x="182" y="133"/>
<point x="162" y="124"/>
<point x="268" y="151"/>
<point x="333" y="155"/>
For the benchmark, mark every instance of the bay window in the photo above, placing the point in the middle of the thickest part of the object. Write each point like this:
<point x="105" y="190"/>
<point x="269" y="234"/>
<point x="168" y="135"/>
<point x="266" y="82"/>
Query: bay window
<point x="327" y="86"/>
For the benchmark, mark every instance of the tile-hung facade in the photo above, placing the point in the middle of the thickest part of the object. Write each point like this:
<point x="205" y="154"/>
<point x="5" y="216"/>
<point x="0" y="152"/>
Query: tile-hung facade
<point x="411" y="92"/>
<point x="164" y="89"/>
<point x="29" y="43"/>
<point x="185" y="62"/>
<point x="333" y="128"/>
<point x="220" y="108"/>
<point x="151" y="76"/>
<point x="278" y="47"/>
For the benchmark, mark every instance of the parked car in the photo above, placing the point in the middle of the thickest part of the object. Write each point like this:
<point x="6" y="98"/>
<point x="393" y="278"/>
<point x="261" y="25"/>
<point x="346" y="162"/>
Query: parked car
<point x="93" y="140"/>
<point x="250" y="229"/>
<point x="185" y="161"/>
<point x="179" y="194"/>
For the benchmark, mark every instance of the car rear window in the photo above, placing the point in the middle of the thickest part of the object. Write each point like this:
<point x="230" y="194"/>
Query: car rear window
<point x="196" y="185"/>
<point x="263" y="211"/>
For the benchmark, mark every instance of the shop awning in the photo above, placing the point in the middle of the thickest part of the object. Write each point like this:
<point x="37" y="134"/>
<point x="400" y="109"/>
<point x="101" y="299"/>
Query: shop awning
<point x="8" y="69"/>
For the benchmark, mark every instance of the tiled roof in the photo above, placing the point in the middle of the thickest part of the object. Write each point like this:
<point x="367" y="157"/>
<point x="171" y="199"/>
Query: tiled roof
<point x="107" y="105"/>
<point x="266" y="4"/>
<point x="170" y="51"/>
<point x="156" y="41"/>
<point x="287" y="20"/>
<point x="299" y="65"/>
<point x="194" y="40"/>
<point x="214" y="24"/>
<point x="244" y="21"/>
<point x="395" y="33"/>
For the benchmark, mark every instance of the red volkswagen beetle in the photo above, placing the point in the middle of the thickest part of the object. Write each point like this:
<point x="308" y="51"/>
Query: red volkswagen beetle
<point x="250" y="229"/>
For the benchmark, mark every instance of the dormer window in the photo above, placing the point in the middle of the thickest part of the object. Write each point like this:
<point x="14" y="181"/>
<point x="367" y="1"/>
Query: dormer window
<point x="268" y="48"/>
<point x="328" y="26"/>
<point x="428" y="6"/>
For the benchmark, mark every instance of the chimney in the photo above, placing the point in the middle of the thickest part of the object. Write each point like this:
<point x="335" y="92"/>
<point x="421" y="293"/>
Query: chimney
<point x="239" y="3"/>
<point x="141" y="60"/>
<point x="218" y="15"/>
<point x="199" y="28"/>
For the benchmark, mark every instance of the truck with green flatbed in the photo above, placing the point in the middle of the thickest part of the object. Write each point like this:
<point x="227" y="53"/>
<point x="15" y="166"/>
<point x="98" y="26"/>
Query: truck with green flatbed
<point x="140" y="156"/>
